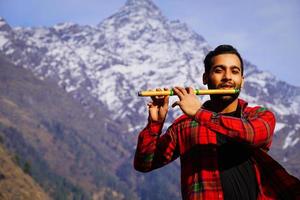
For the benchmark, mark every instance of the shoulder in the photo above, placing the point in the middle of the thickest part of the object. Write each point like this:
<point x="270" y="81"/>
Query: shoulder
<point x="256" y="111"/>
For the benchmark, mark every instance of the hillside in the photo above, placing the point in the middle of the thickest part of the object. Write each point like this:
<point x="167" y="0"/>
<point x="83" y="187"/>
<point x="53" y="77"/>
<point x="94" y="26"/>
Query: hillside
<point x="14" y="183"/>
<point x="41" y="123"/>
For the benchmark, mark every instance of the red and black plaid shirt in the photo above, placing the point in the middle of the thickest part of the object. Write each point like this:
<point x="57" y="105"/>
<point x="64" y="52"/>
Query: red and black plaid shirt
<point x="194" y="140"/>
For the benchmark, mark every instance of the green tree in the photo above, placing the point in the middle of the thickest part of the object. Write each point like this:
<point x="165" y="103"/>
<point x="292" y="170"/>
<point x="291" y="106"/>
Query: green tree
<point x="27" y="168"/>
<point x="1" y="139"/>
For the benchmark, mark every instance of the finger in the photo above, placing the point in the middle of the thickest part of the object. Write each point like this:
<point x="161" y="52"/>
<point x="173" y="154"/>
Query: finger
<point x="190" y="90"/>
<point x="155" y="98"/>
<point x="182" y="90"/>
<point x="166" y="98"/>
<point x="150" y="104"/>
<point x="177" y="103"/>
<point x="159" y="97"/>
<point x="178" y="92"/>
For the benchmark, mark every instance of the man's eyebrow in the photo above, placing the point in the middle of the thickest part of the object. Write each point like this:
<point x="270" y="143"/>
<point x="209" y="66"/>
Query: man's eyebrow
<point x="236" y="67"/>
<point x="215" y="66"/>
<point x="220" y="65"/>
<point x="223" y="66"/>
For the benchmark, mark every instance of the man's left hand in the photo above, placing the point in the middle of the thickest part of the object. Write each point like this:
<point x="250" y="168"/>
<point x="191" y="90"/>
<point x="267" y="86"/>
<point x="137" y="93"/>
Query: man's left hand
<point x="188" y="101"/>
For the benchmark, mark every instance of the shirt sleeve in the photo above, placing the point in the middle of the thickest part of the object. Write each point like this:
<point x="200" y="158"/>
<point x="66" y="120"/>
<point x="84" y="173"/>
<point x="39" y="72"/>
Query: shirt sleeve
<point x="153" y="150"/>
<point x="256" y="128"/>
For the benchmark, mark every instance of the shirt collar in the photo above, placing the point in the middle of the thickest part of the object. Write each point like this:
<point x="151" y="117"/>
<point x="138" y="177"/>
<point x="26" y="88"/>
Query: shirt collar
<point x="241" y="103"/>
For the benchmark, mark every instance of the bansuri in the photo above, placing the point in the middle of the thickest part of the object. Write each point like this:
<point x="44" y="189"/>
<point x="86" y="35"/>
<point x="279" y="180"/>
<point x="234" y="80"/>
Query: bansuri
<point x="171" y="92"/>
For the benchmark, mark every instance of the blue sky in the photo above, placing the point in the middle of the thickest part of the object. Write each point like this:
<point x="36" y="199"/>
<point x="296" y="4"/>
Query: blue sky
<point x="266" y="32"/>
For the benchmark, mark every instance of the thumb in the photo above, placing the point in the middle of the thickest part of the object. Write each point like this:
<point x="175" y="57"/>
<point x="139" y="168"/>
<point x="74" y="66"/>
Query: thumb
<point x="150" y="104"/>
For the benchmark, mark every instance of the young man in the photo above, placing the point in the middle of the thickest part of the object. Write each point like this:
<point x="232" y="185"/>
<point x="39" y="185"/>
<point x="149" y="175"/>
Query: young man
<point x="222" y="144"/>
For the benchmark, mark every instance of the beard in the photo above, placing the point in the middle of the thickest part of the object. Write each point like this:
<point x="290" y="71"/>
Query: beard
<point x="224" y="98"/>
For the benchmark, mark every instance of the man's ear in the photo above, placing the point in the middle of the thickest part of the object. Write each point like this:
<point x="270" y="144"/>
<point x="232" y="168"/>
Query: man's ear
<point x="243" y="80"/>
<point x="205" y="79"/>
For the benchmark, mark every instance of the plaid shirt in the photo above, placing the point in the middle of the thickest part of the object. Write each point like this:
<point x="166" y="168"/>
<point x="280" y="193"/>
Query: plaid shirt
<point x="194" y="141"/>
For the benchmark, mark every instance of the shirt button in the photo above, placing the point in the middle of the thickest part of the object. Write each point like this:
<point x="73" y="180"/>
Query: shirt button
<point x="220" y="196"/>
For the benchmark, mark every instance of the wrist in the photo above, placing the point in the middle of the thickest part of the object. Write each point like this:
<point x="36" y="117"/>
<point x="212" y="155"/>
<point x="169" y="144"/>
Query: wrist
<point x="152" y="121"/>
<point x="155" y="127"/>
<point x="192" y="113"/>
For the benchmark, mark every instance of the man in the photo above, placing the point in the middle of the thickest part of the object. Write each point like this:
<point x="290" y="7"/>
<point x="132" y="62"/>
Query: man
<point x="222" y="144"/>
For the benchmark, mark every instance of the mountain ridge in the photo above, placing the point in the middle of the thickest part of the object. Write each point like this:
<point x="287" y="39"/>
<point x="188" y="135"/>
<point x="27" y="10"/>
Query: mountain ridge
<point x="133" y="56"/>
<point x="70" y="156"/>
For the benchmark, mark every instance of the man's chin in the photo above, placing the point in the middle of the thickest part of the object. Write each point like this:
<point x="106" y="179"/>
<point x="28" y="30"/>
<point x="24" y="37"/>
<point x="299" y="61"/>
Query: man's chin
<point x="224" y="98"/>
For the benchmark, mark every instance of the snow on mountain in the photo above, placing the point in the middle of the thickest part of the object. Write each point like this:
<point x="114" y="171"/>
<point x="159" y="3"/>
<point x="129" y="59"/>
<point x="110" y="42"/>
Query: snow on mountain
<point x="289" y="141"/>
<point x="136" y="48"/>
<point x="5" y="30"/>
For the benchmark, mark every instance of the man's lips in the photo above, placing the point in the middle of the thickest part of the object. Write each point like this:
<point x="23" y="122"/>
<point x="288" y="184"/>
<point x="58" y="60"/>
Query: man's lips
<point x="226" y="87"/>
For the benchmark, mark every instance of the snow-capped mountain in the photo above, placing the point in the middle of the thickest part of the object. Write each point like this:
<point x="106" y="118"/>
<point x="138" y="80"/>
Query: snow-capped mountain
<point x="135" y="49"/>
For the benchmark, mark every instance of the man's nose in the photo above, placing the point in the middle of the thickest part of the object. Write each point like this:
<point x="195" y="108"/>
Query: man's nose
<point x="227" y="75"/>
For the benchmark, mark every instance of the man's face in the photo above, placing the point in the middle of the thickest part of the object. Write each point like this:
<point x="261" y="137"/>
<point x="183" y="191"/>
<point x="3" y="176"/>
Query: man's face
<point x="225" y="73"/>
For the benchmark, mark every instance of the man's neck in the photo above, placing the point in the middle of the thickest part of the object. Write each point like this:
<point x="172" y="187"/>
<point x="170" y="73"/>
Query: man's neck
<point x="224" y="107"/>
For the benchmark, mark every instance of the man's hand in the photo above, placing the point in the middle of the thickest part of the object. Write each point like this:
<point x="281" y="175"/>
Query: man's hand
<point x="188" y="101"/>
<point x="158" y="108"/>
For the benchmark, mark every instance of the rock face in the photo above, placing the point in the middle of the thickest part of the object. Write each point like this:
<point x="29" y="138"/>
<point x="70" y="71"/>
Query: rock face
<point x="138" y="48"/>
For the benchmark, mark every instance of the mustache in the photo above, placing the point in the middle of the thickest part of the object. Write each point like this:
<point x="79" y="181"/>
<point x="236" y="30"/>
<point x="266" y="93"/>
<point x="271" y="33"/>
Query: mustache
<point x="233" y="85"/>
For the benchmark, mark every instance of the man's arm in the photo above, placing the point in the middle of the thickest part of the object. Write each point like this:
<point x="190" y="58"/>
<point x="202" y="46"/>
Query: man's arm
<point x="255" y="129"/>
<point x="154" y="151"/>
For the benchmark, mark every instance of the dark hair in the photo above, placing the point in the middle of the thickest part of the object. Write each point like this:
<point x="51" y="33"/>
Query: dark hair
<point x="222" y="49"/>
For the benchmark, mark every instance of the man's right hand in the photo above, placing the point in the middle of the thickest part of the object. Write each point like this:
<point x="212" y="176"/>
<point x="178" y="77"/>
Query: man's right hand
<point x="158" y="108"/>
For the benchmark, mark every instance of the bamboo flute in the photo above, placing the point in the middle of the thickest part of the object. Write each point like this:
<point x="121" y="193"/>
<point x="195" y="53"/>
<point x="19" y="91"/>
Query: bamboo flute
<point x="171" y="92"/>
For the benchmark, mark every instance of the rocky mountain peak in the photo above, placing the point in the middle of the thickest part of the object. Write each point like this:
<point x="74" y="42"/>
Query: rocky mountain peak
<point x="141" y="8"/>
<point x="4" y="25"/>
<point x="62" y="26"/>
<point x="148" y="3"/>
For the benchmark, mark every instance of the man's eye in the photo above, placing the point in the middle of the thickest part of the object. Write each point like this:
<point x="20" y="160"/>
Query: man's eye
<point x="235" y="71"/>
<point x="218" y="70"/>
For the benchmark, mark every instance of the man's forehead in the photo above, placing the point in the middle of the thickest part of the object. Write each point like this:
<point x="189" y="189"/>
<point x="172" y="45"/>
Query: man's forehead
<point x="226" y="59"/>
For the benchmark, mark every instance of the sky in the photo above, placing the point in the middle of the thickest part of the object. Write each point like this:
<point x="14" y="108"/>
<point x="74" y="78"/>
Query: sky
<point x="266" y="32"/>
